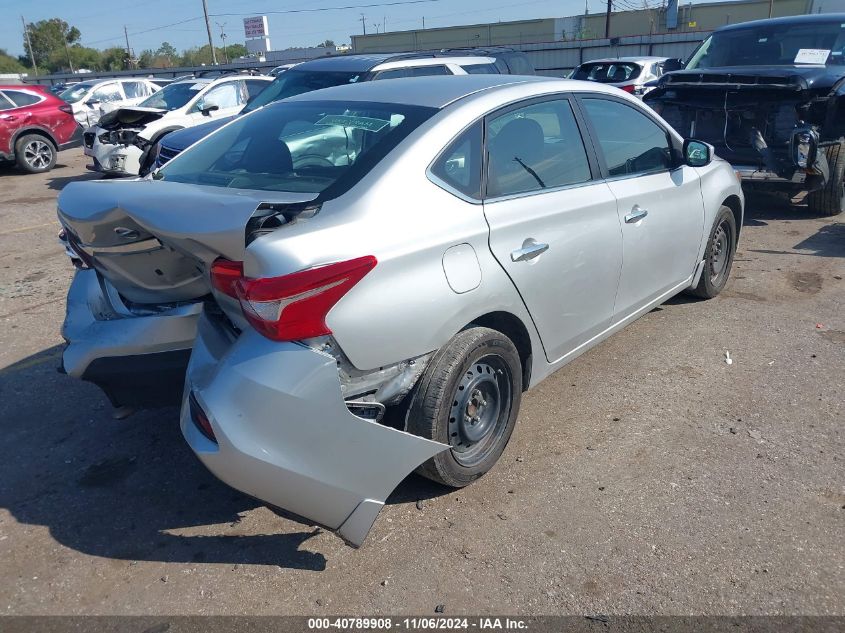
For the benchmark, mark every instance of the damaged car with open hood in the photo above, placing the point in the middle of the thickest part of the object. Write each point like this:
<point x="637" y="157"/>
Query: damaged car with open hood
<point x="769" y="95"/>
<point x="366" y="278"/>
<point x="120" y="143"/>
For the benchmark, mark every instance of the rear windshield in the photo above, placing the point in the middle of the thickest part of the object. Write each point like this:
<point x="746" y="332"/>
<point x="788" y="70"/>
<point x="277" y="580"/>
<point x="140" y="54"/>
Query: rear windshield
<point x="773" y="45"/>
<point x="297" y="147"/>
<point x="295" y="82"/>
<point x="607" y="72"/>
<point x="174" y="96"/>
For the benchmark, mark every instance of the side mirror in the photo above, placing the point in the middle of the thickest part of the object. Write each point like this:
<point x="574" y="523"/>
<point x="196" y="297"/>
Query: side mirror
<point x="92" y="102"/>
<point x="208" y="109"/>
<point x="697" y="153"/>
<point x="672" y="64"/>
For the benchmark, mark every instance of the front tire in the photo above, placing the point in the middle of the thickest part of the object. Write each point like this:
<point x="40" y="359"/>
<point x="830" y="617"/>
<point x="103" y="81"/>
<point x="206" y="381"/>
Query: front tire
<point x="468" y="398"/>
<point x="718" y="256"/>
<point x="35" y="154"/>
<point x="830" y="200"/>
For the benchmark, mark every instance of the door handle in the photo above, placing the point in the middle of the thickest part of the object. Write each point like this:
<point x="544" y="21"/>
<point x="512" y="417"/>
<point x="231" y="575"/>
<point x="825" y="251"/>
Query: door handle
<point x="530" y="249"/>
<point x="636" y="214"/>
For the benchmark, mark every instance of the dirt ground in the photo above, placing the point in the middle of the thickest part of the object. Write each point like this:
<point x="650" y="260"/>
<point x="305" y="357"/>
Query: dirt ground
<point x="647" y="477"/>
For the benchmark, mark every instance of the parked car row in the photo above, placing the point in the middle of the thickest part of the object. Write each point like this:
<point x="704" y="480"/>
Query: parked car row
<point x="361" y="280"/>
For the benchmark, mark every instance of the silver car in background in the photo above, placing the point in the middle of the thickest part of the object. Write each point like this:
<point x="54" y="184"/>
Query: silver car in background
<point x="630" y="74"/>
<point x="428" y="248"/>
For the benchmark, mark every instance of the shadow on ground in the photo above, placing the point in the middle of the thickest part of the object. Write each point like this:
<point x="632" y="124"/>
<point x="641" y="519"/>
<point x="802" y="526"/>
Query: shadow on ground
<point x="128" y="489"/>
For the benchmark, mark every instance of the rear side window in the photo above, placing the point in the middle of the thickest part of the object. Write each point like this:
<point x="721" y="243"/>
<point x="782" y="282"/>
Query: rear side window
<point x="630" y="141"/>
<point x="519" y="64"/>
<point x="481" y="69"/>
<point x="254" y="87"/>
<point x="535" y="147"/>
<point x="21" y="99"/>
<point x="415" y="71"/>
<point x="5" y="104"/>
<point x="459" y="166"/>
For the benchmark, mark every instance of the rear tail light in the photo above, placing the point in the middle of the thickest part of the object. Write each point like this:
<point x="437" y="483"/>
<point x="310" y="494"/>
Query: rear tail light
<point x="291" y="307"/>
<point x="66" y="108"/>
<point x="629" y="89"/>
<point x="200" y="419"/>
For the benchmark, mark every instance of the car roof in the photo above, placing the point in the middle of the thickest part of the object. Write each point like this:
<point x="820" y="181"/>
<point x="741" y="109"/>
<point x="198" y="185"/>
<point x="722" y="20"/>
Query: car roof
<point x="813" y="18"/>
<point x="356" y="63"/>
<point x="437" y="91"/>
<point x="608" y="60"/>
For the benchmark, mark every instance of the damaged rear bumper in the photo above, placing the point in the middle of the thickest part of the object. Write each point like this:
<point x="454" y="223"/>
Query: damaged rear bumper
<point x="137" y="360"/>
<point x="284" y="434"/>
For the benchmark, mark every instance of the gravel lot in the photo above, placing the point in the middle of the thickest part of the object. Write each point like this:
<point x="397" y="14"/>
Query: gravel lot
<point x="646" y="477"/>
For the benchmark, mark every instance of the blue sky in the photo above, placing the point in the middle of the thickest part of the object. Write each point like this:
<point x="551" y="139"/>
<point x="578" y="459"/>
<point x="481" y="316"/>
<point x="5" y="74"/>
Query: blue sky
<point x="102" y="23"/>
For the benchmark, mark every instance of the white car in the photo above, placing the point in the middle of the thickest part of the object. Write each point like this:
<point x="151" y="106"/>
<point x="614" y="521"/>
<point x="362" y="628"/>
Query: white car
<point x="89" y="99"/>
<point x="120" y="142"/>
<point x="630" y="74"/>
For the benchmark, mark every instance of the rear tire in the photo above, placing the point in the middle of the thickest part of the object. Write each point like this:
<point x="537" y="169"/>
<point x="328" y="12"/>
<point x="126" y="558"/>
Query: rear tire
<point x="35" y="153"/>
<point x="718" y="256"/>
<point x="830" y="200"/>
<point x="468" y="398"/>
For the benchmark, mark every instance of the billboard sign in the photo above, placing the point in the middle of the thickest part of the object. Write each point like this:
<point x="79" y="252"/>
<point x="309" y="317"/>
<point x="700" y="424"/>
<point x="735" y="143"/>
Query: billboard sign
<point x="255" y="26"/>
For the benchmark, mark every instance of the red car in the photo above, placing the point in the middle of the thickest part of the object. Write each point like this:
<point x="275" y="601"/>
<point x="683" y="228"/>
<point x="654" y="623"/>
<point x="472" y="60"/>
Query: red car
<point x="34" y="126"/>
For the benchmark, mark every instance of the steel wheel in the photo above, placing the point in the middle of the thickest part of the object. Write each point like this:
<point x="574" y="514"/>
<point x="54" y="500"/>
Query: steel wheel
<point x="479" y="410"/>
<point x="38" y="154"/>
<point x="720" y="252"/>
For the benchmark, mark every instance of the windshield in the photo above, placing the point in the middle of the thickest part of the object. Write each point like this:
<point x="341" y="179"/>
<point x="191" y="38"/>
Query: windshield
<point x="76" y="92"/>
<point x="174" y="96"/>
<point x="295" y="82"/>
<point x="297" y="147"/>
<point x="607" y="72"/>
<point x="772" y="45"/>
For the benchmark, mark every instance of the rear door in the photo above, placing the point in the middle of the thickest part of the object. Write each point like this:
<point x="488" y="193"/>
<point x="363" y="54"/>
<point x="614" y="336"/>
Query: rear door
<point x="660" y="205"/>
<point x="553" y="222"/>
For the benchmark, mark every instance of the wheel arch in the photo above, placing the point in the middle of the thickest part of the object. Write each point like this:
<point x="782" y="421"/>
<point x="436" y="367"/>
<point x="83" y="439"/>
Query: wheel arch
<point x="33" y="130"/>
<point x="511" y="326"/>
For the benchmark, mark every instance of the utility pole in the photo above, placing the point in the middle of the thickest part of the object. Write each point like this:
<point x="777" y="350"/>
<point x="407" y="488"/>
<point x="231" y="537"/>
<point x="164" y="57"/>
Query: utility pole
<point x="67" y="51"/>
<point x="364" y="23"/>
<point x="128" y="50"/>
<point x="607" y="19"/>
<point x="423" y="23"/>
<point x="770" y="7"/>
<point x="29" y="43"/>
<point x="208" y="30"/>
<point x="223" y="37"/>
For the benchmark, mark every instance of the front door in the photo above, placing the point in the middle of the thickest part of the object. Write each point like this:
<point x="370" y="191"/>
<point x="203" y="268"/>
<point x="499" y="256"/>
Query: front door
<point x="553" y="228"/>
<point x="660" y="205"/>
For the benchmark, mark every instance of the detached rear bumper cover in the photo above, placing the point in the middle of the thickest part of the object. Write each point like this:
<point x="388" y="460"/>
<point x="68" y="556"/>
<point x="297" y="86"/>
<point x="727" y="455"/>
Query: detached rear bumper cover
<point x="98" y="326"/>
<point x="285" y="435"/>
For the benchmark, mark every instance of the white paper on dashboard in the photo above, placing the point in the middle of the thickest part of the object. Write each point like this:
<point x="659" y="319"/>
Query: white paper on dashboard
<point x="812" y="55"/>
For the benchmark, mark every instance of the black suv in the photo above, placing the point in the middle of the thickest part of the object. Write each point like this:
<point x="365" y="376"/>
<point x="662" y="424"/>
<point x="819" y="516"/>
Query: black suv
<point x="770" y="96"/>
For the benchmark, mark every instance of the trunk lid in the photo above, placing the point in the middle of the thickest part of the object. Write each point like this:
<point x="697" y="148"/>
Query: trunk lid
<point x="155" y="240"/>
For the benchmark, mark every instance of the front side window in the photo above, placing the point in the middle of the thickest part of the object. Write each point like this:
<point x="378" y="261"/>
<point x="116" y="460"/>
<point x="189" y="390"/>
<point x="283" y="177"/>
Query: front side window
<point x="5" y="104"/>
<point x="254" y="87"/>
<point x="135" y="89"/>
<point x="630" y="141"/>
<point x="107" y="93"/>
<point x="459" y="166"/>
<point x="297" y="147"/>
<point x="533" y="148"/>
<point x="224" y="96"/>
<point x="174" y="96"/>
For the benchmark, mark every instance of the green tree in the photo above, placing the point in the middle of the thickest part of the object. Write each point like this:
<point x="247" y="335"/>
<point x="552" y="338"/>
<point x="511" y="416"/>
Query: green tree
<point x="145" y="59"/>
<point x="327" y="43"/>
<point x="49" y="38"/>
<point x="235" y="51"/>
<point x="9" y="64"/>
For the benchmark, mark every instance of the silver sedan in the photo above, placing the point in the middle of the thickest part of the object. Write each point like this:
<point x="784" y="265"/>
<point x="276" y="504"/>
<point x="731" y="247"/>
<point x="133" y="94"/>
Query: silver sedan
<point x="367" y="278"/>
